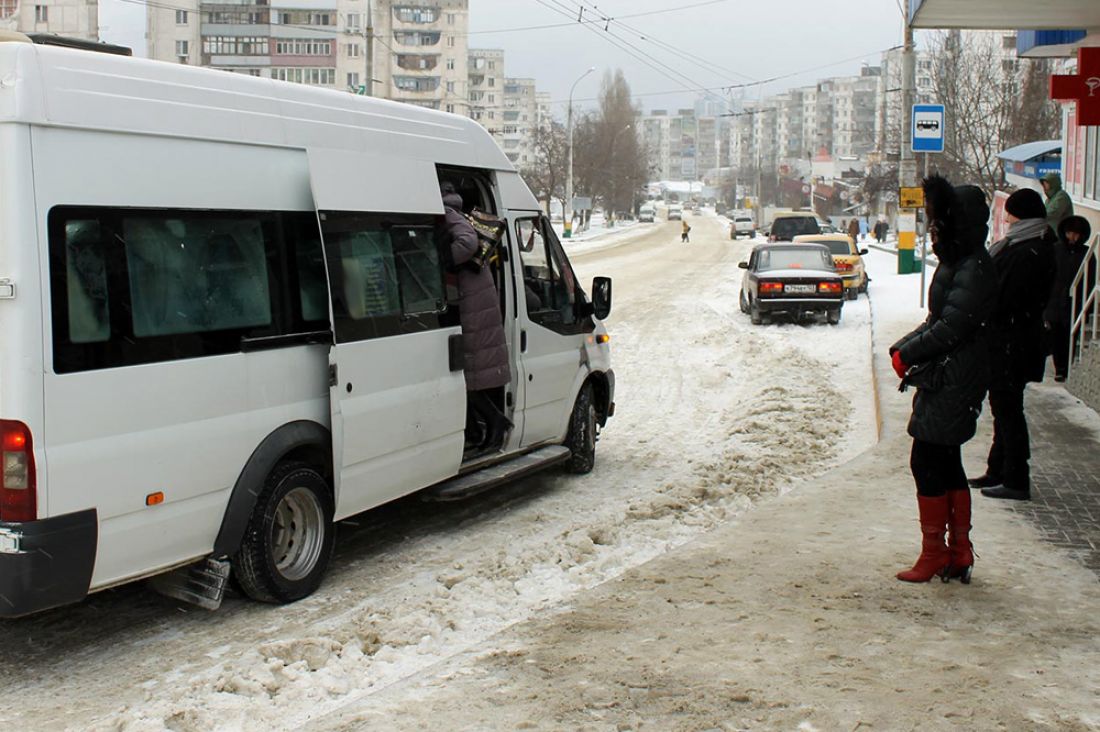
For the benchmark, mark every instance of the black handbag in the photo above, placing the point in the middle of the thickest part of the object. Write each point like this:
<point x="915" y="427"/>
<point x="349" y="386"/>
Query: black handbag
<point x="928" y="375"/>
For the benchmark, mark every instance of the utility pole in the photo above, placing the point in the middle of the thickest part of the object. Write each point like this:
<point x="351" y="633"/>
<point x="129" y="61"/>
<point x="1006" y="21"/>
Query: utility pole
<point x="567" y="215"/>
<point x="370" y="51"/>
<point x="907" y="171"/>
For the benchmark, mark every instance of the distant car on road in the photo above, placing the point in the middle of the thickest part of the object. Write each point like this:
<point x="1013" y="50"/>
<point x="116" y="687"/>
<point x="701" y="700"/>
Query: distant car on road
<point x="791" y="279"/>
<point x="742" y="226"/>
<point x="786" y="225"/>
<point x="675" y="212"/>
<point x="647" y="214"/>
<point x="847" y="257"/>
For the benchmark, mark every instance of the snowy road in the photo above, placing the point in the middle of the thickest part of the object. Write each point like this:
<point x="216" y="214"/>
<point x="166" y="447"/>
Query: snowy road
<point x="712" y="414"/>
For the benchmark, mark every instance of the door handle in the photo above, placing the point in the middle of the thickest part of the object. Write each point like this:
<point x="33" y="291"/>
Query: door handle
<point x="333" y="379"/>
<point x="455" y="355"/>
<point x="523" y="341"/>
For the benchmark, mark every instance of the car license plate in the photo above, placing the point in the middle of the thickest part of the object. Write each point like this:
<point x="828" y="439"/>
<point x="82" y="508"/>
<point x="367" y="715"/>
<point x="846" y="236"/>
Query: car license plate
<point x="800" y="289"/>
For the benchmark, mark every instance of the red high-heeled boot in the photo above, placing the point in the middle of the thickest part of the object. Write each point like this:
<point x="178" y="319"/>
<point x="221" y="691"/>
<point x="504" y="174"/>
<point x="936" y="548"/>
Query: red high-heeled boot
<point x="934" y="558"/>
<point x="958" y="537"/>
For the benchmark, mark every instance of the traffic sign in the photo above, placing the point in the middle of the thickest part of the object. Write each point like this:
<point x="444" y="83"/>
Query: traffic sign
<point x="928" y="123"/>
<point x="911" y="197"/>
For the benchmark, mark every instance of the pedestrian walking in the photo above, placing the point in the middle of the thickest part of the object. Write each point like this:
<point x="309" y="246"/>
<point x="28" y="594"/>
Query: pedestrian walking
<point x="485" y="351"/>
<point x="853" y="229"/>
<point x="685" y="229"/>
<point x="1069" y="253"/>
<point x="1059" y="205"/>
<point x="1024" y="260"/>
<point x="947" y="359"/>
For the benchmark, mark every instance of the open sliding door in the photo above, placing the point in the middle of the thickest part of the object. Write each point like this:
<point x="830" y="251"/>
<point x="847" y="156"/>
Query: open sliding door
<point x="398" y="397"/>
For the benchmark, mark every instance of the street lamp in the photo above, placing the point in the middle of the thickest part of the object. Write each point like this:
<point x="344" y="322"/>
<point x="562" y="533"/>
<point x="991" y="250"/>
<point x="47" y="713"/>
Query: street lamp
<point x="568" y="214"/>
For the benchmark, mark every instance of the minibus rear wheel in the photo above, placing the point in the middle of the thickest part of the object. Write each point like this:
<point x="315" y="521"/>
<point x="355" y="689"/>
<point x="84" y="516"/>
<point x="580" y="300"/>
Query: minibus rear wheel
<point x="290" y="536"/>
<point x="581" y="439"/>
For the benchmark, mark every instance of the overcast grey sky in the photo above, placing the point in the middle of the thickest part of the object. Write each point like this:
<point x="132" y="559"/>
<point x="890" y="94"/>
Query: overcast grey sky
<point x="715" y="44"/>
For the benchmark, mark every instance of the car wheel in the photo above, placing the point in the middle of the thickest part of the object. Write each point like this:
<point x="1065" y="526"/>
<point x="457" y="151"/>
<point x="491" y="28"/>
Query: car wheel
<point x="743" y="303"/>
<point x="290" y="536"/>
<point x="852" y="293"/>
<point x="583" y="427"/>
<point x="754" y="314"/>
<point x="833" y="317"/>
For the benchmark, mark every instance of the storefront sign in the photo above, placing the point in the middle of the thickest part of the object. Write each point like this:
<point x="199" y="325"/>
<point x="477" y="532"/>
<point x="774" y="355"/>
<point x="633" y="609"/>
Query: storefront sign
<point x="1082" y="87"/>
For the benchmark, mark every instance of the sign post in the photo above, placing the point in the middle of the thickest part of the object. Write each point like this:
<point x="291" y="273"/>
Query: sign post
<point x="927" y="127"/>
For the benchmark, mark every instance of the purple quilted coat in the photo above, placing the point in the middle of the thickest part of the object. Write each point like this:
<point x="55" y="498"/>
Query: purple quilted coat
<point x="483" y="344"/>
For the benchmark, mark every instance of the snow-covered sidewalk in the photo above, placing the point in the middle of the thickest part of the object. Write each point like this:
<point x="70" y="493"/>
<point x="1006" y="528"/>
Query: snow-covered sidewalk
<point x="789" y="617"/>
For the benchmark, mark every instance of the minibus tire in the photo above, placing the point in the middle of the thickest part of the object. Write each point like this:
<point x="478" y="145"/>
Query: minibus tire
<point x="581" y="439"/>
<point x="297" y="494"/>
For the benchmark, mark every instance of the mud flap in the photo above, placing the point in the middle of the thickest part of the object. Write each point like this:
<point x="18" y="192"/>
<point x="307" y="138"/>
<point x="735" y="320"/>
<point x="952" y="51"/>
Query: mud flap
<point x="201" y="583"/>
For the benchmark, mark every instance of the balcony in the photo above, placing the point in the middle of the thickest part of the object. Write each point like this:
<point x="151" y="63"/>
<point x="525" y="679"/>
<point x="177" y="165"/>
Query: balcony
<point x="415" y="14"/>
<point x="417" y="62"/>
<point x="417" y="38"/>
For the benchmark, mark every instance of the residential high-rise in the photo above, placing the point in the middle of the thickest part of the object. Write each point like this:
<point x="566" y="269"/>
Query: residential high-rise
<point x="70" y="18"/>
<point x="485" y="81"/>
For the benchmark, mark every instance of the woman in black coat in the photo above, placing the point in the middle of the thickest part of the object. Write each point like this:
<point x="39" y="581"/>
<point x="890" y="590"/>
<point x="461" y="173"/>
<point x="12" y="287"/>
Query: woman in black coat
<point x="1024" y="261"/>
<point x="483" y="344"/>
<point x="947" y="360"/>
<point x="1069" y="253"/>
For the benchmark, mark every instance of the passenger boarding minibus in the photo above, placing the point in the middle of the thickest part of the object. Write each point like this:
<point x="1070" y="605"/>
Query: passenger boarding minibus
<point x="226" y="322"/>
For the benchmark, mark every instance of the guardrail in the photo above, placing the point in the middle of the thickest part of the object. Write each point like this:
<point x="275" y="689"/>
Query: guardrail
<point x="1086" y="317"/>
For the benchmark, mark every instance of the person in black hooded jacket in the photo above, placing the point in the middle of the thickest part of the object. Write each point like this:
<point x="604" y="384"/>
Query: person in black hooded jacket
<point x="1025" y="269"/>
<point x="947" y="359"/>
<point x="1069" y="253"/>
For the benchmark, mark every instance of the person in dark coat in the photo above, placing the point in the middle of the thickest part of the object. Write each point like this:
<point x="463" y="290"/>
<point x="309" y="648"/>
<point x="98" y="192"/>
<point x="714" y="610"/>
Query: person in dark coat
<point x="947" y="359"/>
<point x="853" y="229"/>
<point x="1025" y="269"/>
<point x="484" y="348"/>
<point x="1069" y="253"/>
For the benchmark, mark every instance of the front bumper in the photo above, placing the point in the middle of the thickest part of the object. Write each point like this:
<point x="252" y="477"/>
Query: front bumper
<point x="46" y="563"/>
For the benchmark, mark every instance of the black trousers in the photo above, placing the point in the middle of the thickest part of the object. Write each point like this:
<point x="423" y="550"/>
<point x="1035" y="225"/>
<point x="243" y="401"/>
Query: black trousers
<point x="937" y="468"/>
<point x="1059" y="347"/>
<point x="1011" y="443"/>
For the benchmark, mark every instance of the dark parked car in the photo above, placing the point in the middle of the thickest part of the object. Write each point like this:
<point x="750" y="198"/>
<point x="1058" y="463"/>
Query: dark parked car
<point x="793" y="280"/>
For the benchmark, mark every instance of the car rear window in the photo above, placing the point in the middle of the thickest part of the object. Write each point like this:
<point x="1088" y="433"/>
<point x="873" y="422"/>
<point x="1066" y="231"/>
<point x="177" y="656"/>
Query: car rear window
<point x="793" y="259"/>
<point x="788" y="227"/>
<point x="743" y="220"/>
<point x="839" y="248"/>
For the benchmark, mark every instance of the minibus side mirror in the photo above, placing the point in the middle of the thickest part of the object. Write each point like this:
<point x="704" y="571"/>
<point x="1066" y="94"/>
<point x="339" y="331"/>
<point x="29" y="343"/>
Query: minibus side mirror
<point x="743" y="265"/>
<point x="601" y="297"/>
<point x="862" y="252"/>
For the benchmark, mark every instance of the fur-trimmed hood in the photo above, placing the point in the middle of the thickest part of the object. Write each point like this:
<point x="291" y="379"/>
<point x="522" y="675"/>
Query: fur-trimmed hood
<point x="961" y="215"/>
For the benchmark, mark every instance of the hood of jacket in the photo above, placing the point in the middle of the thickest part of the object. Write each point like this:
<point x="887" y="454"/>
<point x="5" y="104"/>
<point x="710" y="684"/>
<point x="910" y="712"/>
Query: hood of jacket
<point x="452" y="200"/>
<point x="1082" y="225"/>
<point x="1054" y="182"/>
<point x="962" y="217"/>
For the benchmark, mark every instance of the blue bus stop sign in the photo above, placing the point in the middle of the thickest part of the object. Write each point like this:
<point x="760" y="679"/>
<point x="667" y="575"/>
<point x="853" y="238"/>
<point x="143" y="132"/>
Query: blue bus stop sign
<point x="928" y="123"/>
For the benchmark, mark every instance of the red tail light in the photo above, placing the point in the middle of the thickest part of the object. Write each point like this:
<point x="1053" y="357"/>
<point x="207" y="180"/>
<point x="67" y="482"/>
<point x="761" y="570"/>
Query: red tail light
<point x="771" y="288"/>
<point x="843" y="267"/>
<point x="830" y="288"/>
<point x="18" y="491"/>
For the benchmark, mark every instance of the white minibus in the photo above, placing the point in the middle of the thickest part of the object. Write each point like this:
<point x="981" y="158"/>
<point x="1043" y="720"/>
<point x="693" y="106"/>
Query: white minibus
<point x="227" y="322"/>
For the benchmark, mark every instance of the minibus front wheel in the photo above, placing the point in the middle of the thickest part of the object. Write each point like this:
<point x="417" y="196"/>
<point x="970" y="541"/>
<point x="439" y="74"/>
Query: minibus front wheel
<point x="288" y="543"/>
<point x="583" y="426"/>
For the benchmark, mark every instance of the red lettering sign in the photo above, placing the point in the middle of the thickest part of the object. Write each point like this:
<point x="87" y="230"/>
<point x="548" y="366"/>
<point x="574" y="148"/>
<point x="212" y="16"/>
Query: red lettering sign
<point x="1082" y="87"/>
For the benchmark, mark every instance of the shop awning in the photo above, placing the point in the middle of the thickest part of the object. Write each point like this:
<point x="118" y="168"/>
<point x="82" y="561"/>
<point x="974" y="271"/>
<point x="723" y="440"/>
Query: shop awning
<point x="1005" y="14"/>
<point x="1033" y="159"/>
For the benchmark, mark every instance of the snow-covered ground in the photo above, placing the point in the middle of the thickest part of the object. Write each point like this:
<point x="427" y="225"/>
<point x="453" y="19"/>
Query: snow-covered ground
<point x="713" y="413"/>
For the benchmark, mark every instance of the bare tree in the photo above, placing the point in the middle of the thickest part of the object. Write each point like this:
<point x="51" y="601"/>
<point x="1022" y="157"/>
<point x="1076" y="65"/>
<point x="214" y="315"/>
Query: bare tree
<point x="992" y="101"/>
<point x="610" y="161"/>
<point x="546" y="175"/>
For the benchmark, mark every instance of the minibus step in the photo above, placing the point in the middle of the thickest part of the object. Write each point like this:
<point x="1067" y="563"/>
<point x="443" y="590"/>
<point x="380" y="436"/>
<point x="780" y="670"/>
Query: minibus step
<point x="485" y="479"/>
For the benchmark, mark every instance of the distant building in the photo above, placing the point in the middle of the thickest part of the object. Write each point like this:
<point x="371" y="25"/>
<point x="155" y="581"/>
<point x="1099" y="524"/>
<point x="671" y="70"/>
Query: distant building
<point x="485" y="81"/>
<point x="69" y="18"/>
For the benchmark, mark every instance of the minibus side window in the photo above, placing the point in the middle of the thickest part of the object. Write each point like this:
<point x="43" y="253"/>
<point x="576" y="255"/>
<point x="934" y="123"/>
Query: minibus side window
<point x="386" y="274"/>
<point x="305" y="237"/>
<point x="86" y="279"/>
<point x="548" y="280"/>
<point x="189" y="275"/>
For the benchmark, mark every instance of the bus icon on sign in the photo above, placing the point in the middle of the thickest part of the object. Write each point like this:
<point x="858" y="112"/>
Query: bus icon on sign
<point x="928" y="128"/>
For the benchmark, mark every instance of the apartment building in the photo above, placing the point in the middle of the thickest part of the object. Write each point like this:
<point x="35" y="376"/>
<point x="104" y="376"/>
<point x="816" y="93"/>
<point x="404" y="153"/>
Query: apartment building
<point x="854" y="112"/>
<point x="69" y="18"/>
<point x="485" y="68"/>
<point x="523" y="114"/>
<point x="420" y="50"/>
<point x="683" y="146"/>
